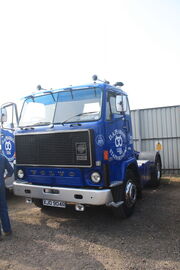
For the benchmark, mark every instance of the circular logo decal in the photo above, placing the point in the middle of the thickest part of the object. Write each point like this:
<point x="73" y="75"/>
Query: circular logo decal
<point x="100" y="140"/>
<point x="118" y="144"/>
<point x="8" y="146"/>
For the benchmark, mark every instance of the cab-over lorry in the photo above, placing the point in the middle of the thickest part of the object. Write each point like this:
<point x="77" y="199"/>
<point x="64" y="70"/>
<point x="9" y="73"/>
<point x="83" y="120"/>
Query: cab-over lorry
<point x="75" y="146"/>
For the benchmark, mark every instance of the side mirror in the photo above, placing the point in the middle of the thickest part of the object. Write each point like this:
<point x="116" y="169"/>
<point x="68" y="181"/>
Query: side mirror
<point x="121" y="103"/>
<point x="3" y="115"/>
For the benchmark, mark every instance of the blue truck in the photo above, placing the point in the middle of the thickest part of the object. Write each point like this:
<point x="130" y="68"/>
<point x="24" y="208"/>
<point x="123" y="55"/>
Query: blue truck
<point x="75" y="146"/>
<point x="7" y="144"/>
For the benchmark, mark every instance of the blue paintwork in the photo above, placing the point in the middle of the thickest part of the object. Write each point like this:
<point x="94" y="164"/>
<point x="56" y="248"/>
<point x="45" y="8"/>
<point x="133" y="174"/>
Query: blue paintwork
<point x="145" y="172"/>
<point x="7" y="144"/>
<point x="8" y="150"/>
<point x="114" y="135"/>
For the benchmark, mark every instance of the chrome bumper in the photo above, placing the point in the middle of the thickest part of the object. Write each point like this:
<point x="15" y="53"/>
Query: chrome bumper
<point x="71" y="195"/>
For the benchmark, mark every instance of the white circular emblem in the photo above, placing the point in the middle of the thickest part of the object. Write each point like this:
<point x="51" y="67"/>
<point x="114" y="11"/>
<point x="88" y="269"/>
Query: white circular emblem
<point x="8" y="146"/>
<point x="118" y="144"/>
<point x="118" y="141"/>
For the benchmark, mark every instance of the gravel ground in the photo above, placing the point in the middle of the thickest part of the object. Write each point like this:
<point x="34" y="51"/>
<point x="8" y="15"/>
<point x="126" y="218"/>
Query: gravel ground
<point x="64" y="239"/>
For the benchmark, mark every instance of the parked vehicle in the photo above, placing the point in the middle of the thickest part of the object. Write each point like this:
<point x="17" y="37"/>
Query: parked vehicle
<point x="74" y="145"/>
<point x="7" y="144"/>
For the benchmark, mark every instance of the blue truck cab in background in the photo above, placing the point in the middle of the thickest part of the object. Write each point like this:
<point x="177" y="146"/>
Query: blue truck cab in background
<point x="75" y="146"/>
<point x="7" y="144"/>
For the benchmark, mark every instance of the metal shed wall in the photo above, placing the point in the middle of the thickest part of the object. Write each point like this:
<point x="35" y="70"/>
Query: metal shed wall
<point x="159" y="125"/>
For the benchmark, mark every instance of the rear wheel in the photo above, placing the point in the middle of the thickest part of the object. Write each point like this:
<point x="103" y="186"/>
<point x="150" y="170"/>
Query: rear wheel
<point x="128" y="196"/>
<point x="156" y="172"/>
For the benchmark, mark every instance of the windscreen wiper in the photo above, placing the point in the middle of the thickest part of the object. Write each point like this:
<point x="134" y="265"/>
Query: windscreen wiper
<point x="79" y="114"/>
<point x="36" y="124"/>
<point x="42" y="124"/>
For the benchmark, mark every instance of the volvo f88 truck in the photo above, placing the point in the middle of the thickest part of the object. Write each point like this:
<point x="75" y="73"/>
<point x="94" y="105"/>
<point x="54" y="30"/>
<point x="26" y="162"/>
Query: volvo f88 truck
<point x="75" y="146"/>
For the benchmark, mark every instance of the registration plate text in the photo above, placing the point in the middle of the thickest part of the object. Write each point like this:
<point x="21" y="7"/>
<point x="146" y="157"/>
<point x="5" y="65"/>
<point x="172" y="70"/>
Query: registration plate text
<point x="54" y="203"/>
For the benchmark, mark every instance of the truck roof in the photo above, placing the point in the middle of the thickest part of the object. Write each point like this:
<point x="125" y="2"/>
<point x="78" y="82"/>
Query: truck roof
<point x="104" y="86"/>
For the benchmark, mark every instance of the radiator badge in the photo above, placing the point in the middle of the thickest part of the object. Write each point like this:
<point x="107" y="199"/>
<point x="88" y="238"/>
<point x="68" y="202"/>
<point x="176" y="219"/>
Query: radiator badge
<point x="100" y="140"/>
<point x="71" y="174"/>
<point x="81" y="151"/>
<point x="118" y="144"/>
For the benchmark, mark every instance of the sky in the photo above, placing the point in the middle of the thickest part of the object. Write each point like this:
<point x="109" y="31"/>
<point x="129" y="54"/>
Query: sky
<point x="57" y="43"/>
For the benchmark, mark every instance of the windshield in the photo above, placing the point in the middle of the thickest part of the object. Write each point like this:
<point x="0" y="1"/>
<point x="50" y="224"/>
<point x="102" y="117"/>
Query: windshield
<point x="78" y="105"/>
<point x="63" y="107"/>
<point x="38" y="110"/>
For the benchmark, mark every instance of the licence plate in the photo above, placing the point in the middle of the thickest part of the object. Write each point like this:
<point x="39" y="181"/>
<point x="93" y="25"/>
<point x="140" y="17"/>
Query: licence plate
<point x="54" y="203"/>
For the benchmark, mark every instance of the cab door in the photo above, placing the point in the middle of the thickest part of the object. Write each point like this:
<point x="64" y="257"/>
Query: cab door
<point x="118" y="133"/>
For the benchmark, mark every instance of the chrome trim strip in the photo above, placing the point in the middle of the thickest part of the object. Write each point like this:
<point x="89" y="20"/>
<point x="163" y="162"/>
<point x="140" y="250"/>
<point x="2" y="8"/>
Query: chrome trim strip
<point x="59" y="131"/>
<point x="56" y="166"/>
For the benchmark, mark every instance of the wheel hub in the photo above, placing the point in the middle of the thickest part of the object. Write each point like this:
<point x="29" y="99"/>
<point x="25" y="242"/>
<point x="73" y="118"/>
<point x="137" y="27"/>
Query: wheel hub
<point x="158" y="166"/>
<point x="130" y="193"/>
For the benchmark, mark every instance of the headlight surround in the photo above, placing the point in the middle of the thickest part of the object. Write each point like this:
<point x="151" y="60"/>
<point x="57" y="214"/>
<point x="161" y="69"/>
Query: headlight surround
<point x="20" y="173"/>
<point x="95" y="177"/>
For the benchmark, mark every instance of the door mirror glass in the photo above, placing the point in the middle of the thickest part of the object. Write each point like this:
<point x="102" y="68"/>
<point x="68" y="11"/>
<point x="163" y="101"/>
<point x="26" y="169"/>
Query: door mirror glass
<point x="121" y="103"/>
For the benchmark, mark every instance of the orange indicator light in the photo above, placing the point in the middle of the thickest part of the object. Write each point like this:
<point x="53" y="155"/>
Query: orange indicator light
<point x="106" y="155"/>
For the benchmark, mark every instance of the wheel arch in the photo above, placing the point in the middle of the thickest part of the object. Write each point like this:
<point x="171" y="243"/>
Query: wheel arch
<point x="134" y="168"/>
<point x="153" y="157"/>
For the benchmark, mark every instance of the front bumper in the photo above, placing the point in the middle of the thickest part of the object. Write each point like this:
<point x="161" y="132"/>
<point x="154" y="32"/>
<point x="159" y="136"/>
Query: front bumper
<point x="69" y="195"/>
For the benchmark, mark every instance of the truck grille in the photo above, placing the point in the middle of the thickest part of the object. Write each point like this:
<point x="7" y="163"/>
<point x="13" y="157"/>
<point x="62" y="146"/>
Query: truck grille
<point x="59" y="149"/>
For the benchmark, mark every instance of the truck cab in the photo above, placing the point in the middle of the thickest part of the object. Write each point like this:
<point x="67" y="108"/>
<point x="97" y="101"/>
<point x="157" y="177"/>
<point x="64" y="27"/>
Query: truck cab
<point x="75" y="146"/>
<point x="7" y="145"/>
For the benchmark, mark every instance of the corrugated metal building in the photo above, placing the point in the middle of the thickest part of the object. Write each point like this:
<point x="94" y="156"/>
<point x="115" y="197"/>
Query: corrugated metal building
<point x="158" y="125"/>
<point x="159" y="128"/>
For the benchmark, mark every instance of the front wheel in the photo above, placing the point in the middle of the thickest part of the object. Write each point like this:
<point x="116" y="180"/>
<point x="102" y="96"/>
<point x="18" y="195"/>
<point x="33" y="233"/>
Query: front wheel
<point x="128" y="196"/>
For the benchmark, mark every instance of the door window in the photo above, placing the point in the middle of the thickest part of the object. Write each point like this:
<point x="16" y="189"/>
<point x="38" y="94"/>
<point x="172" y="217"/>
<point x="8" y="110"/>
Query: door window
<point x="117" y="105"/>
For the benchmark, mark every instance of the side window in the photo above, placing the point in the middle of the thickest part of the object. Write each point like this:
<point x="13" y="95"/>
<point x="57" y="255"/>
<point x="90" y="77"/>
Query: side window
<point x="117" y="105"/>
<point x="108" y="111"/>
<point x="126" y="105"/>
<point x="111" y="106"/>
<point x="112" y="101"/>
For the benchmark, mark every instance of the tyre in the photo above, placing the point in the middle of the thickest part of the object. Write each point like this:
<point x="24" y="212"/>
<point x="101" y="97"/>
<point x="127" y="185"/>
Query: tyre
<point x="128" y="196"/>
<point x="156" y="171"/>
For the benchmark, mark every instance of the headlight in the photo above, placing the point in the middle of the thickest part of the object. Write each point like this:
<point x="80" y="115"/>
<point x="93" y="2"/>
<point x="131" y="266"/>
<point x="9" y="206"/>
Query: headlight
<point x="20" y="174"/>
<point x="95" y="177"/>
